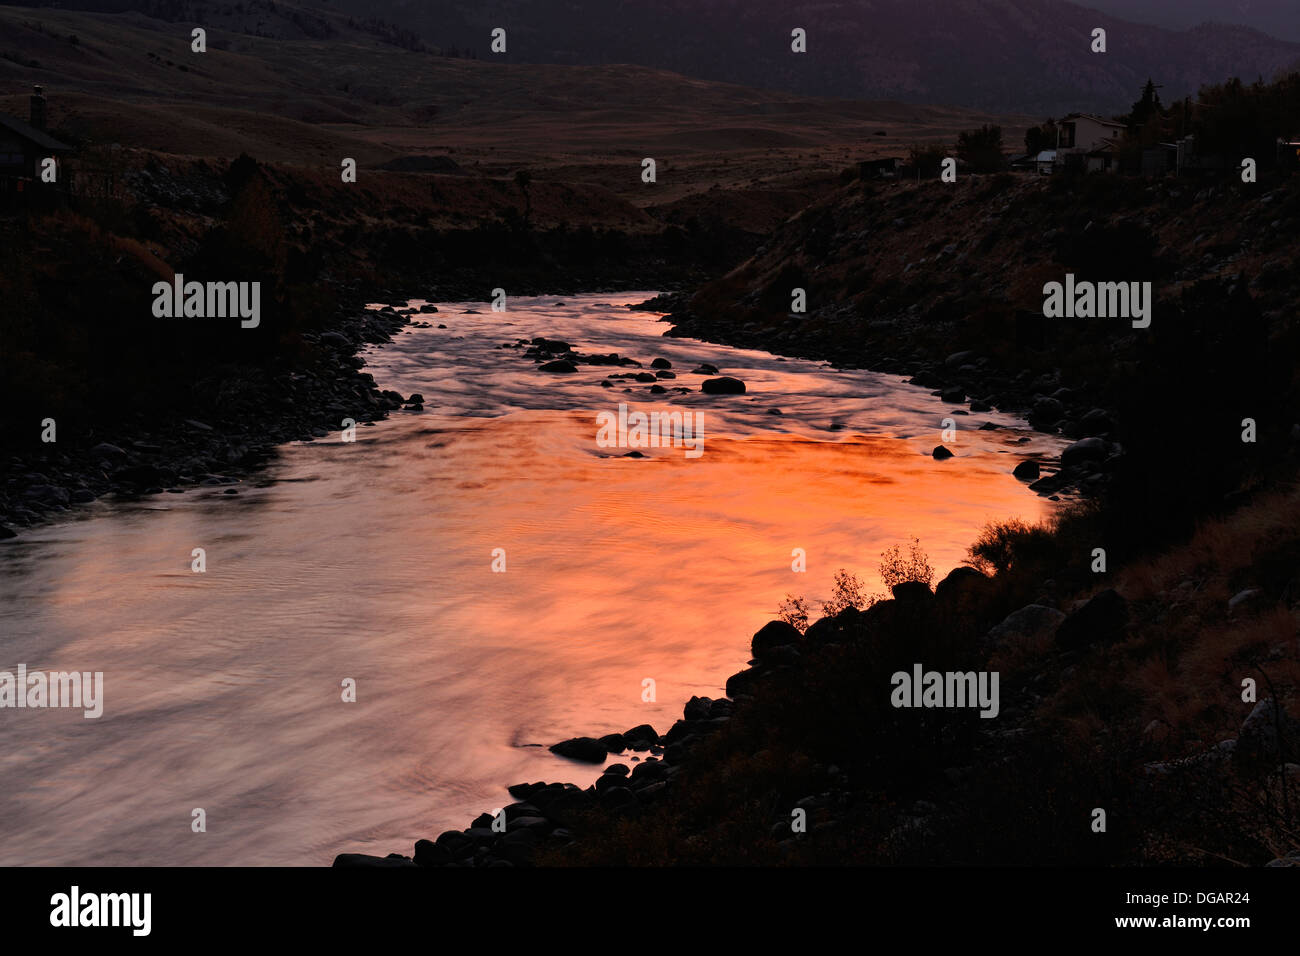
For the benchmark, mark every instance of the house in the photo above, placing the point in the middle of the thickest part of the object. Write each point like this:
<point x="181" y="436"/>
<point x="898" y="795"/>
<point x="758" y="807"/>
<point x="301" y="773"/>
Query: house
<point x="1083" y="132"/>
<point x="1103" y="158"/>
<point x="24" y="147"/>
<point x="886" y="168"/>
<point x="1046" y="162"/>
<point x="1086" y="143"/>
<point x="1160" y="159"/>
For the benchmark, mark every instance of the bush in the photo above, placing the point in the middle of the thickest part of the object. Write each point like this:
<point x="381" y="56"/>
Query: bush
<point x="1007" y="544"/>
<point x="847" y="593"/>
<point x="895" y="568"/>
<point x="794" y="611"/>
<point x="981" y="148"/>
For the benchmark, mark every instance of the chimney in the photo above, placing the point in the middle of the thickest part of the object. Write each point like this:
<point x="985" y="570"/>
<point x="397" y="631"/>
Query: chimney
<point x="38" y="108"/>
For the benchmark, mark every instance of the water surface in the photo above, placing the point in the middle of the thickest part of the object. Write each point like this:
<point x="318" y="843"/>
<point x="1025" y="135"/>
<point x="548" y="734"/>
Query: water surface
<point x="372" y="560"/>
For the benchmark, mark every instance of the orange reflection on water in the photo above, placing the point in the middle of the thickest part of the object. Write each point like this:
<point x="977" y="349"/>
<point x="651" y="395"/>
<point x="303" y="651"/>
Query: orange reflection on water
<point x="373" y="561"/>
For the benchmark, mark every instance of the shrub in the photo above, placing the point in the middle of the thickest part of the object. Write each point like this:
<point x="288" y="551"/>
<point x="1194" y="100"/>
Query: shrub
<point x="794" y="611"/>
<point x="897" y="568"/>
<point x="847" y="593"/>
<point x="1006" y="544"/>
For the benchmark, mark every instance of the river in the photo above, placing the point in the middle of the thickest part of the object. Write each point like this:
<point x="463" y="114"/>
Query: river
<point x="372" y="560"/>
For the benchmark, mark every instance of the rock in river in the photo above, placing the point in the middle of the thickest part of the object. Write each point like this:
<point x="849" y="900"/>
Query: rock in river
<point x="723" y="386"/>
<point x="581" y="748"/>
<point x="559" y="365"/>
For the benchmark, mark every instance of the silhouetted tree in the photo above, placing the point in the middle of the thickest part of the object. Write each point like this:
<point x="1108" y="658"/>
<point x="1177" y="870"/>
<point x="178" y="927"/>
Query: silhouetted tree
<point x="981" y="148"/>
<point x="1039" y="138"/>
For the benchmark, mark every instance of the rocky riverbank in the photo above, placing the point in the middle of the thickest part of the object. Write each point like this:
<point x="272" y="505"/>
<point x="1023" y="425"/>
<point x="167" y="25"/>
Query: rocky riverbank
<point x="251" y="411"/>
<point x="140" y="403"/>
<point x="811" y="759"/>
<point x="236" y="416"/>
<point x="943" y="283"/>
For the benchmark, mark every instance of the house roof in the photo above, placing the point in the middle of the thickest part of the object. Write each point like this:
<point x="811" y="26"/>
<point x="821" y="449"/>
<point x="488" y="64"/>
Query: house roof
<point x="1093" y="118"/>
<point x="1108" y="145"/>
<point x="33" y="135"/>
<point x="1047" y="156"/>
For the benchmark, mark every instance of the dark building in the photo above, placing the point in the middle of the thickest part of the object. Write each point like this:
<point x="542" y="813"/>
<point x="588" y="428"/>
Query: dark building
<point x="23" y="149"/>
<point x="886" y="168"/>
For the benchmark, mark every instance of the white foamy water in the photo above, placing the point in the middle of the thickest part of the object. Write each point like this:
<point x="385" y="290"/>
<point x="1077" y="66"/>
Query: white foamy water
<point x="373" y="561"/>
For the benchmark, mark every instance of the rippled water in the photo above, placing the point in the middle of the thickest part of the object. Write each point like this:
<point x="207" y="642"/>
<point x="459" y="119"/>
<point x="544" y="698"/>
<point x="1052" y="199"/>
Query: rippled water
<point x="372" y="560"/>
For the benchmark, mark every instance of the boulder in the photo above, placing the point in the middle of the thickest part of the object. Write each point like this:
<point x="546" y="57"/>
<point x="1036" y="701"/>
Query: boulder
<point x="618" y="798"/>
<point x="697" y="708"/>
<point x="839" y="629"/>
<point x="773" y="634"/>
<point x="958" y="359"/>
<point x="912" y="592"/>
<point x="588" y="749"/>
<point x="1026" y="471"/>
<point x="1096" y="422"/>
<point x="649" y="772"/>
<point x="742" y="682"/>
<point x="607" y="780"/>
<point x="428" y="853"/>
<point x="1082" y="451"/>
<point x="1031" y="622"/>
<point x="105" y="450"/>
<point x="723" y="386"/>
<point x="680" y="731"/>
<point x="1045" y="413"/>
<point x="559" y="365"/>
<point x="1101" y="620"/>
<point x="641" y="733"/>
<point x="50" y="494"/>
<point x="550" y="345"/>
<point x="960" y="581"/>
<point x="1266" y="733"/>
<point x="940" y="453"/>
